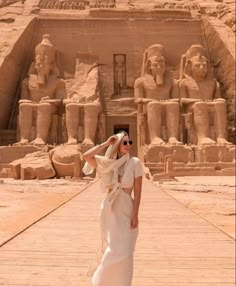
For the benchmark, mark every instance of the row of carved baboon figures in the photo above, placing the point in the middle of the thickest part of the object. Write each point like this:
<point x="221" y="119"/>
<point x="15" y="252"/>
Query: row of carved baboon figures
<point x="80" y="5"/>
<point x="161" y="100"/>
<point x="75" y="5"/>
<point x="7" y="3"/>
<point x="177" y="5"/>
<point x="221" y="10"/>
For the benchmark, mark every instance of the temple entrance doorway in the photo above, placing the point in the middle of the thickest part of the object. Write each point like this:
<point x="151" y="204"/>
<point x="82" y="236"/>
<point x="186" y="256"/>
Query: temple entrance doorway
<point x="118" y="128"/>
<point x="115" y="124"/>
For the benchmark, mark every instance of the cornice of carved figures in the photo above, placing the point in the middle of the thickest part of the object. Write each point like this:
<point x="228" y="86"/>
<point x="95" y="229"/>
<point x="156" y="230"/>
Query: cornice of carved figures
<point x="75" y="5"/>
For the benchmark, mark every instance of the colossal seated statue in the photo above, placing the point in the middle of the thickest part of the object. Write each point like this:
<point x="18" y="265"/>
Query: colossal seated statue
<point x="82" y="104"/>
<point x="200" y="96"/>
<point x="157" y="93"/>
<point x="42" y="94"/>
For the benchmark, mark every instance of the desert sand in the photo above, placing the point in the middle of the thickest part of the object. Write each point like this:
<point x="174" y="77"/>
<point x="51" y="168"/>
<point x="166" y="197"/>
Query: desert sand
<point x="213" y="198"/>
<point x="22" y="203"/>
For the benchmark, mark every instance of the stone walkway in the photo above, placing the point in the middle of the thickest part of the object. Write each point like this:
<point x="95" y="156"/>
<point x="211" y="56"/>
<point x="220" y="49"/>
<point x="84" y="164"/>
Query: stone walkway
<point x="175" y="246"/>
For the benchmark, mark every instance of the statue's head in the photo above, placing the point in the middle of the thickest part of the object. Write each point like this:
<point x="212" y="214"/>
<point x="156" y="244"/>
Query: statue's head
<point x="157" y="65"/>
<point x="196" y="64"/>
<point x="154" y="62"/>
<point x="45" y="60"/>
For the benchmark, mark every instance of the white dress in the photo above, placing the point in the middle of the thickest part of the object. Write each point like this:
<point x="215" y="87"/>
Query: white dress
<point x="116" y="266"/>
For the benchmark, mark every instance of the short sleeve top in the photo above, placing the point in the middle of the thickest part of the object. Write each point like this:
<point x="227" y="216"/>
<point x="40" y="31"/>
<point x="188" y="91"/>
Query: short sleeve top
<point x="138" y="167"/>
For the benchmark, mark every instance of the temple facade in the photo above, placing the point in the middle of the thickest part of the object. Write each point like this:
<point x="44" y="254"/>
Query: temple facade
<point x="81" y="71"/>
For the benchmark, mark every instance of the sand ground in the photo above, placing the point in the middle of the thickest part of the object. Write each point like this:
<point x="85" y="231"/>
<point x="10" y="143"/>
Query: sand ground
<point x="22" y="203"/>
<point x="211" y="197"/>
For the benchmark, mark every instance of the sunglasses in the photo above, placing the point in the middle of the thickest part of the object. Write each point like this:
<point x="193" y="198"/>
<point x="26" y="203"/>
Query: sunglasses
<point x="130" y="142"/>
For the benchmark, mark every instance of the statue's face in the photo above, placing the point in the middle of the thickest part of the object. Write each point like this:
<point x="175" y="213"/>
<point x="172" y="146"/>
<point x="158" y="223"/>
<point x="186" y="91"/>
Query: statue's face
<point x="43" y="67"/>
<point x="199" y="67"/>
<point x="157" y="65"/>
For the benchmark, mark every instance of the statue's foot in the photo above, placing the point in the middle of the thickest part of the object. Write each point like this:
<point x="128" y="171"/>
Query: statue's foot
<point x="87" y="141"/>
<point x="206" y="141"/>
<point x="22" y="142"/>
<point x="72" y="141"/>
<point x="223" y="141"/>
<point x="157" y="141"/>
<point x="174" y="141"/>
<point x="38" y="141"/>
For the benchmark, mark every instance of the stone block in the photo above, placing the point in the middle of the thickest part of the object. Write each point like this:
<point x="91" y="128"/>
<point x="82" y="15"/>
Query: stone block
<point x="156" y="153"/>
<point x="214" y="153"/>
<point x="36" y="165"/>
<point x="11" y="153"/>
<point x="67" y="160"/>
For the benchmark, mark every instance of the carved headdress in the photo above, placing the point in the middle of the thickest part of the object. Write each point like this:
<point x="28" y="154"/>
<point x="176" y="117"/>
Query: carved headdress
<point x="152" y="51"/>
<point x="185" y="64"/>
<point x="46" y="51"/>
<point x="195" y="50"/>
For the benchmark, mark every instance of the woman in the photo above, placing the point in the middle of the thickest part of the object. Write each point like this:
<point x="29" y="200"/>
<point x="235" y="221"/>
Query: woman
<point x="120" y="175"/>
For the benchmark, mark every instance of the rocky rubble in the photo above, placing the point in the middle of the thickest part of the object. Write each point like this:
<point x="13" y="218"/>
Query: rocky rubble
<point x="62" y="161"/>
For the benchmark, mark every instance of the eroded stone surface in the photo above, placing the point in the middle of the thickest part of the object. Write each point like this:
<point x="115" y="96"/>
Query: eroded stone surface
<point x="200" y="96"/>
<point x="65" y="159"/>
<point x="119" y="65"/>
<point x="41" y="95"/>
<point x="183" y="154"/>
<point x="36" y="165"/>
<point x="156" y="94"/>
<point x="82" y="105"/>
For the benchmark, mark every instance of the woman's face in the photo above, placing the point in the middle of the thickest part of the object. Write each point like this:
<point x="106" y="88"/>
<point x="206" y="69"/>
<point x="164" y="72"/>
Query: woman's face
<point x="124" y="146"/>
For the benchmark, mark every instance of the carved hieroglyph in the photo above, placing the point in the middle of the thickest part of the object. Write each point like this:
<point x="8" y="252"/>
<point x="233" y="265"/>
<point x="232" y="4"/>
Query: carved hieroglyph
<point x="200" y="96"/>
<point x="156" y="93"/>
<point x="83" y="99"/>
<point x="42" y="94"/>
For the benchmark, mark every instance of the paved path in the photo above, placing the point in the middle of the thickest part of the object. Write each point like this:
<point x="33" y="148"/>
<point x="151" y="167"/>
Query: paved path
<point x="176" y="247"/>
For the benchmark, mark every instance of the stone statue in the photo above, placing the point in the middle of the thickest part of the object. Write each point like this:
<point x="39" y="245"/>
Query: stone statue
<point x="41" y="95"/>
<point x="83" y="104"/>
<point x="119" y="73"/>
<point x="200" y="94"/>
<point x="157" y="92"/>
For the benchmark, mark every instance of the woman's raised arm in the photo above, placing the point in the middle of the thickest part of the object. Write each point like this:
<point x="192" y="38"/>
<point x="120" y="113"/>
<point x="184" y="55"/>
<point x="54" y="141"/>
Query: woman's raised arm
<point x="89" y="155"/>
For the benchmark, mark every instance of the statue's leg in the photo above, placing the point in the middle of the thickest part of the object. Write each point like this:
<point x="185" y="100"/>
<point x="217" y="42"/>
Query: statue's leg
<point x="25" y="121"/>
<point x="154" y="122"/>
<point x="91" y="112"/>
<point x="220" y="122"/>
<point x="201" y="122"/>
<point x="44" y="114"/>
<point x="172" y="122"/>
<point x="72" y="122"/>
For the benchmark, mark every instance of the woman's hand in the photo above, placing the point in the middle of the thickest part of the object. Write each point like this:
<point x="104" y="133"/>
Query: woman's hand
<point x="111" y="140"/>
<point x="134" y="221"/>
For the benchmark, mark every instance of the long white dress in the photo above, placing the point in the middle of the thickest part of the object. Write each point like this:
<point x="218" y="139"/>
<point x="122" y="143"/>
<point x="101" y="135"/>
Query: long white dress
<point x="116" y="266"/>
